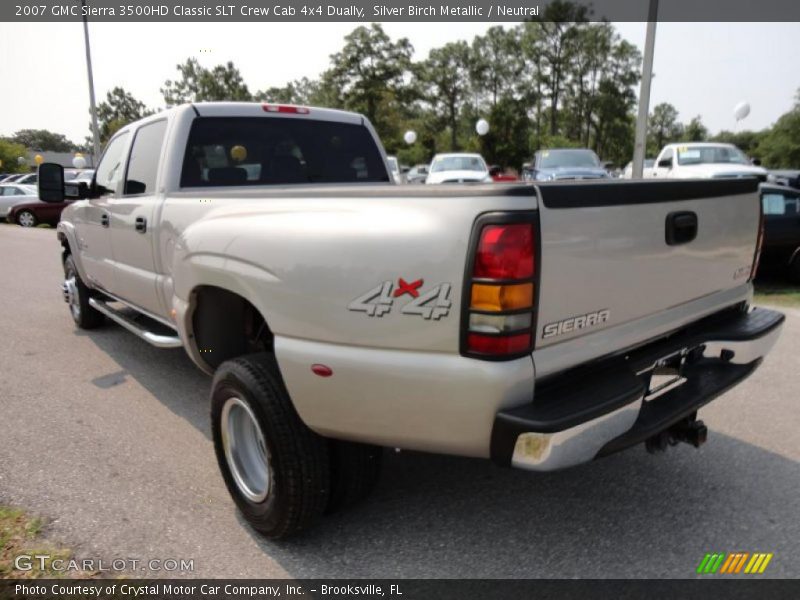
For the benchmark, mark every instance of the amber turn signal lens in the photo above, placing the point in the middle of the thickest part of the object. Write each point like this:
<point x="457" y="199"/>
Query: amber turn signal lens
<point x="500" y="298"/>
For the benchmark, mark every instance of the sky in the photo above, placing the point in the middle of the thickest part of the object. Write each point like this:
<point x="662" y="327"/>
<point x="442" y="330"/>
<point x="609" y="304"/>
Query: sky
<point x="703" y="69"/>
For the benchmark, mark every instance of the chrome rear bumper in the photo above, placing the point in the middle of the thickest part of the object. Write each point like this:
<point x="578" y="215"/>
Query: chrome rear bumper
<point x="605" y="407"/>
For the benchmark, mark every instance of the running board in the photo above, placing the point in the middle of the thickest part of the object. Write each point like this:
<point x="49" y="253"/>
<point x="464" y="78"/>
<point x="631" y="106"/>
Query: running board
<point x="157" y="340"/>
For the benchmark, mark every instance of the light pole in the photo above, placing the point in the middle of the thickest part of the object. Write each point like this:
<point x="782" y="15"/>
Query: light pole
<point x="95" y="129"/>
<point x="640" y="137"/>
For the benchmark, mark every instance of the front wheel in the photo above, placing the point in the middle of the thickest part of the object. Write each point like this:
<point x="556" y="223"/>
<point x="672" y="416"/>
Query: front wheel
<point x="274" y="466"/>
<point x="26" y="219"/>
<point x="76" y="295"/>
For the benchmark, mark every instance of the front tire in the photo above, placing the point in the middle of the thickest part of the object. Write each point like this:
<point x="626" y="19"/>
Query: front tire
<point x="275" y="468"/>
<point x="26" y="218"/>
<point x="76" y="294"/>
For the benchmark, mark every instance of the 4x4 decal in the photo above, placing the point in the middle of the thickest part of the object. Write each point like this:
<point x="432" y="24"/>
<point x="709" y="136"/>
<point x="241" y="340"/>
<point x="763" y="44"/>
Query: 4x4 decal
<point x="432" y="304"/>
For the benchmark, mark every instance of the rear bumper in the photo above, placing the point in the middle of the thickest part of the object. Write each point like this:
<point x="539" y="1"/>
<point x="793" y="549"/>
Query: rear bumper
<point x="606" y="407"/>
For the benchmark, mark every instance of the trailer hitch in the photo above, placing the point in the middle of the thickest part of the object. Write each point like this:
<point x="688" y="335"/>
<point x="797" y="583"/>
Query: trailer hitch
<point x="689" y="430"/>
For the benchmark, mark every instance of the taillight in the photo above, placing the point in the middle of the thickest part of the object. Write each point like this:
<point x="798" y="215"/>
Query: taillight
<point x="286" y="109"/>
<point x="500" y="287"/>
<point x="759" y="240"/>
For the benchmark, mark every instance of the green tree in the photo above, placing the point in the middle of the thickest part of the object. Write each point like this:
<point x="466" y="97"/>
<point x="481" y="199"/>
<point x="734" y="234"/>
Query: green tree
<point x="695" y="131"/>
<point x="747" y="141"/>
<point x="495" y="65"/>
<point x="443" y="80"/>
<point x="663" y="127"/>
<point x="117" y="110"/>
<point x="369" y="72"/>
<point x="780" y="146"/>
<point x="10" y="152"/>
<point x="42" y="139"/>
<point x="199" y="84"/>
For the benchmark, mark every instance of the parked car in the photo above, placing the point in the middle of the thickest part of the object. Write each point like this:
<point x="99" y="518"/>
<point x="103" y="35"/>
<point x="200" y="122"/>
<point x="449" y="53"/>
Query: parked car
<point x="13" y="178"/>
<point x="555" y="164"/>
<point x="394" y="169"/>
<point x="536" y="326"/>
<point x="35" y="212"/>
<point x="500" y="175"/>
<point x="780" y="251"/>
<point x="704" y="160"/>
<point x="789" y="177"/>
<point x="12" y="194"/>
<point x="28" y="179"/>
<point x="458" y="168"/>
<point x="417" y="174"/>
<point x="627" y="172"/>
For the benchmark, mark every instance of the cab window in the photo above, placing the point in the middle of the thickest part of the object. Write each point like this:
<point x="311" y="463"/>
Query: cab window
<point x="109" y="171"/>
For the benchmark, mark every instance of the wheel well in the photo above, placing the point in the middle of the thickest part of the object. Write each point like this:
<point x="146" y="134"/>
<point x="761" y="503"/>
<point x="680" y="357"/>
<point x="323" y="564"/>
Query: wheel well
<point x="225" y="326"/>
<point x="66" y="251"/>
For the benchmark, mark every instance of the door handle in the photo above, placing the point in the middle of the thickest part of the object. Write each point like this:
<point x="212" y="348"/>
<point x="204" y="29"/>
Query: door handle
<point x="141" y="224"/>
<point x="681" y="228"/>
<point x="104" y="220"/>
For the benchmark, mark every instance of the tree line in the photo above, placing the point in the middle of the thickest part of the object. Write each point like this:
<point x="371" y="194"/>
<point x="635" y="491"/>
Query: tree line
<point x="558" y="81"/>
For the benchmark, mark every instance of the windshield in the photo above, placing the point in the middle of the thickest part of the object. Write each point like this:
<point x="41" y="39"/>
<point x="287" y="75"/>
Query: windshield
<point x="458" y="163"/>
<point x="554" y="159"/>
<point x="699" y="155"/>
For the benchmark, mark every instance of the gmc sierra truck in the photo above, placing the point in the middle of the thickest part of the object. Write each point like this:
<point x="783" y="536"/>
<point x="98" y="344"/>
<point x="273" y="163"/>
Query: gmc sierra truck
<point x="540" y="326"/>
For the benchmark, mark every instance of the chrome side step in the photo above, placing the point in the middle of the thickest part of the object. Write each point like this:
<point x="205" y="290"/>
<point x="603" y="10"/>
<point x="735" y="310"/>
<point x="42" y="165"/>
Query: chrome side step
<point x="156" y="339"/>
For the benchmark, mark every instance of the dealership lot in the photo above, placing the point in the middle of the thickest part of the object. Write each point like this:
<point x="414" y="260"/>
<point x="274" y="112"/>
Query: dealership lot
<point x="108" y="438"/>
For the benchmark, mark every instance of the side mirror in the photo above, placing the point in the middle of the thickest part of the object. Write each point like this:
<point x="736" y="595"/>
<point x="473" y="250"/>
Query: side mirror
<point x="51" y="182"/>
<point x="756" y="162"/>
<point x="665" y="163"/>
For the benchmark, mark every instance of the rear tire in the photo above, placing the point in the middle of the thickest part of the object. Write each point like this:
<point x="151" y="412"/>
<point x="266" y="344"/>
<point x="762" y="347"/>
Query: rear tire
<point x="26" y="218"/>
<point x="77" y="296"/>
<point x="355" y="470"/>
<point x="276" y="469"/>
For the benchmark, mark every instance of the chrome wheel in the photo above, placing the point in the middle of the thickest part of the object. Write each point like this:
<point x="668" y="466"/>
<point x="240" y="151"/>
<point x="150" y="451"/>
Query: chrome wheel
<point x="245" y="450"/>
<point x="26" y="219"/>
<point x="70" y="291"/>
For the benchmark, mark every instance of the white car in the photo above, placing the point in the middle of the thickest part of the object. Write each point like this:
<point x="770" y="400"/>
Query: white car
<point x="458" y="168"/>
<point x="703" y="160"/>
<point x="14" y="194"/>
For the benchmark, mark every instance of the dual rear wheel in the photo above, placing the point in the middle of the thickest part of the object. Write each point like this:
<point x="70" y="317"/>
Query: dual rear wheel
<point x="282" y="476"/>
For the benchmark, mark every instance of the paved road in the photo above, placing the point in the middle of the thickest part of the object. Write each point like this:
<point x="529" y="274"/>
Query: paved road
<point x="109" y="438"/>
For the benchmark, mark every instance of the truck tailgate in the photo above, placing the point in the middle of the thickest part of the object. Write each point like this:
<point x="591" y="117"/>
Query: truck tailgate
<point x="616" y="252"/>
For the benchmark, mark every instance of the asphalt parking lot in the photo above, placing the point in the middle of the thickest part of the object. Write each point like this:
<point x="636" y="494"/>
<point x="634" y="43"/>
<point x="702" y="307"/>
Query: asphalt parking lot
<point x="108" y="439"/>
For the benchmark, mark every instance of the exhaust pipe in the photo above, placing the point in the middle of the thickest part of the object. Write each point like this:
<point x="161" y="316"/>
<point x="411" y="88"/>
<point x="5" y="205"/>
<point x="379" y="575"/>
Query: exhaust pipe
<point x="688" y="430"/>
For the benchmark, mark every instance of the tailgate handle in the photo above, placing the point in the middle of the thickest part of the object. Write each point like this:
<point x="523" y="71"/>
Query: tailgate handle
<point x="681" y="228"/>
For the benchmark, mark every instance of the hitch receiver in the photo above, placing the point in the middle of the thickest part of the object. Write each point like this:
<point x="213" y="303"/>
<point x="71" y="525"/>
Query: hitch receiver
<point x="688" y="430"/>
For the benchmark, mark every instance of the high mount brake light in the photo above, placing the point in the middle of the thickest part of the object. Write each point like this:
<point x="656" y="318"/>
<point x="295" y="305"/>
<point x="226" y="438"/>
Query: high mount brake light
<point x="500" y="291"/>
<point x="286" y="109"/>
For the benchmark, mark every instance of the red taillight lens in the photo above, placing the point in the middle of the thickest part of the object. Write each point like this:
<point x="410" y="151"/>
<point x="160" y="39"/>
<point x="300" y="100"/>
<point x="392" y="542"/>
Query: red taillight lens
<point x="500" y="295"/>
<point x="285" y="108"/>
<point x="505" y="252"/>
<point x="498" y="345"/>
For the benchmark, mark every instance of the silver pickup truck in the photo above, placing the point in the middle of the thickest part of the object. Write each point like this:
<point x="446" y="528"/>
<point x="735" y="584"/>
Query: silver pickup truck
<point x="540" y="326"/>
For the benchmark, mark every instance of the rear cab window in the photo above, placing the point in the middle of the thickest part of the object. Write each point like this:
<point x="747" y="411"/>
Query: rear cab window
<point x="241" y="151"/>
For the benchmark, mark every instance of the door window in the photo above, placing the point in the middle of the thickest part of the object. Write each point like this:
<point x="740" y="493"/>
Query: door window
<point x="109" y="171"/>
<point x="144" y="157"/>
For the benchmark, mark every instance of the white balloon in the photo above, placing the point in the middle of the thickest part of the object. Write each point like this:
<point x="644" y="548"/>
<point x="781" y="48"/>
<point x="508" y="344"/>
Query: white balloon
<point x="79" y="162"/>
<point x="741" y="111"/>
<point x="21" y="160"/>
<point x="410" y="137"/>
<point x="482" y="127"/>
